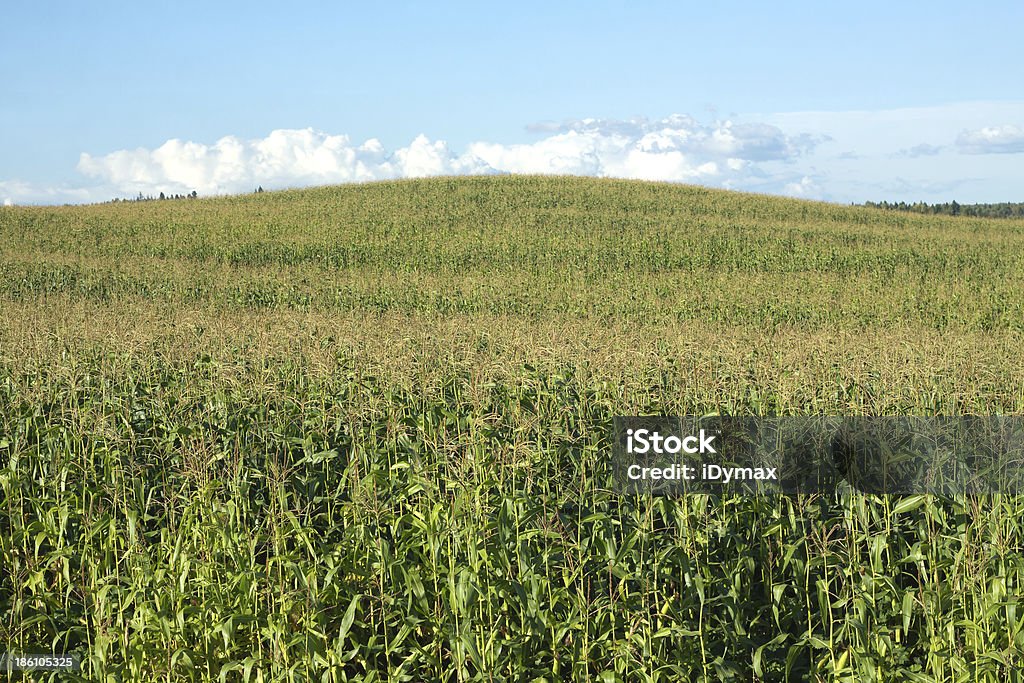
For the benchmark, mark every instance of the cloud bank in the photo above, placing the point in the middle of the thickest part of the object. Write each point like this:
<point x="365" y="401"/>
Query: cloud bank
<point x="846" y="156"/>
<point x="677" y="148"/>
<point x="285" y="158"/>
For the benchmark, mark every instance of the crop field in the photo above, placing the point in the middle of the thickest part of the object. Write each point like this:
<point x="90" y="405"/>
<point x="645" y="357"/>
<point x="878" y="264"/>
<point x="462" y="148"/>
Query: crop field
<point x="363" y="433"/>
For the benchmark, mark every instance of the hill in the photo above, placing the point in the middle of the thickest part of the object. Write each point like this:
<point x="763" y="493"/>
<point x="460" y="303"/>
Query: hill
<point x="362" y="433"/>
<point x="525" y="246"/>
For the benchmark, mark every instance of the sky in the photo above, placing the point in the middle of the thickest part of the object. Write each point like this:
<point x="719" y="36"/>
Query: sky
<point x="844" y="102"/>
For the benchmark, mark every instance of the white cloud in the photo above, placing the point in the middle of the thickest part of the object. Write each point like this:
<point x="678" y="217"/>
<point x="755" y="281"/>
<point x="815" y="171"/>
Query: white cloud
<point x="285" y="158"/>
<point x="841" y="156"/>
<point x="425" y="158"/>
<point x="992" y="140"/>
<point x="8" y="201"/>
<point x="674" y="148"/>
<point x="677" y="148"/>
<point x="806" y="188"/>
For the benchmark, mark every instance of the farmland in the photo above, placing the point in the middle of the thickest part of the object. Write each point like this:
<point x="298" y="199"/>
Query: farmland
<point x="362" y="433"/>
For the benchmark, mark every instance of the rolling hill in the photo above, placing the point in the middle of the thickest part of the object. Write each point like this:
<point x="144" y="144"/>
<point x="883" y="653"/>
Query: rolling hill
<point x="362" y="433"/>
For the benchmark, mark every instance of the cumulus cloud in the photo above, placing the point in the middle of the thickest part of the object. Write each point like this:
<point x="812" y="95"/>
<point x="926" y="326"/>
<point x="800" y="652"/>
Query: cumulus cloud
<point x="282" y="159"/>
<point x="676" y="148"/>
<point x="687" y="136"/>
<point x="805" y="188"/>
<point x="763" y="152"/>
<point x="1007" y="139"/>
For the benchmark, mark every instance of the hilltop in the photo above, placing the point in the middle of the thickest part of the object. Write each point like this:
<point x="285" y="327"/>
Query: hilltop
<point x="537" y="247"/>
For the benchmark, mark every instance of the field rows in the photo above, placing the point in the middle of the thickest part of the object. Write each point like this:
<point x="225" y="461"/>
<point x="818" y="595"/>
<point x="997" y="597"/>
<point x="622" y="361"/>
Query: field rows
<point x="362" y="433"/>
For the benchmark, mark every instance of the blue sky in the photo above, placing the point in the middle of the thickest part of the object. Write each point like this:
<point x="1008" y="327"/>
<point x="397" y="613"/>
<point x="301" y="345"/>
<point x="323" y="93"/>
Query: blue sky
<point x="847" y="102"/>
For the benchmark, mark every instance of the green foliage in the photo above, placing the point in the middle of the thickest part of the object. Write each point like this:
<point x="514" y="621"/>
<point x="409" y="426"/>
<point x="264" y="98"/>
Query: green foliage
<point x="999" y="210"/>
<point x="361" y="433"/>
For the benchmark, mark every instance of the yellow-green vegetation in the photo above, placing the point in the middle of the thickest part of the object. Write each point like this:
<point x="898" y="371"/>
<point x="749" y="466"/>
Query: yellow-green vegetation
<point x="363" y="433"/>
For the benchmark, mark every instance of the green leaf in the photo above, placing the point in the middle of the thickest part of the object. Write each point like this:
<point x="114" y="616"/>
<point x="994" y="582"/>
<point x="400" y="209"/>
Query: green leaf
<point x="350" y="615"/>
<point x="909" y="503"/>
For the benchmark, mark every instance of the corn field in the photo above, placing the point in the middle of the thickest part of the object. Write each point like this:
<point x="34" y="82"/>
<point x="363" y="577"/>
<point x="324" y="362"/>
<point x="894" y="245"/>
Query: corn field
<point x="362" y="433"/>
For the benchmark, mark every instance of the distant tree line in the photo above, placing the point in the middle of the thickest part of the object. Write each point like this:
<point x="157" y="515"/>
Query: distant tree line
<point x="161" y="196"/>
<point x="150" y="198"/>
<point x="1000" y="210"/>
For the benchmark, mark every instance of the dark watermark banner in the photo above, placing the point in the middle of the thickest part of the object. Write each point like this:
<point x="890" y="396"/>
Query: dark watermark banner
<point x="891" y="455"/>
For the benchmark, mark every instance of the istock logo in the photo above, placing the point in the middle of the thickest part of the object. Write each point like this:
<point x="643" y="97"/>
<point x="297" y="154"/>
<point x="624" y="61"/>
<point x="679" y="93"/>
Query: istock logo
<point x="642" y="441"/>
